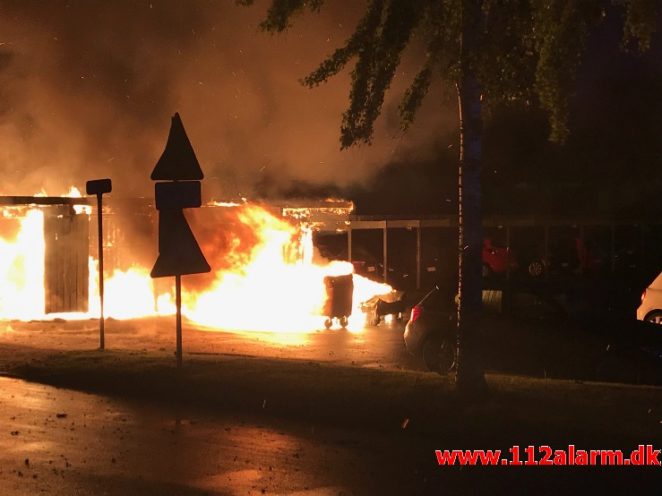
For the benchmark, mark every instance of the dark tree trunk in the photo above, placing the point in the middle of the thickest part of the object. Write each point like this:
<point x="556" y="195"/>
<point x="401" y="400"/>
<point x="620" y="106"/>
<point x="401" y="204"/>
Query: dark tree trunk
<point x="470" y="376"/>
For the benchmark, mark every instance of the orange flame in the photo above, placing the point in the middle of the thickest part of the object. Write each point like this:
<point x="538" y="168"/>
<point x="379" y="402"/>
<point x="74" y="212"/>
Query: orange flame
<point x="21" y="276"/>
<point x="265" y="279"/>
<point x="275" y="285"/>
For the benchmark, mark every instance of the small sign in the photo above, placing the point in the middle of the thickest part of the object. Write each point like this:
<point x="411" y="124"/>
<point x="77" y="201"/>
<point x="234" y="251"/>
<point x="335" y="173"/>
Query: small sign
<point x="98" y="186"/>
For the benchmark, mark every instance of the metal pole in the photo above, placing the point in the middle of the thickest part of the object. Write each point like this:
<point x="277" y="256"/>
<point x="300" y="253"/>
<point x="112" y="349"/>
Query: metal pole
<point x="642" y="248"/>
<point x="349" y="244"/>
<point x="613" y="248"/>
<point x="585" y="254"/>
<point x="102" y="338"/>
<point x="178" y="302"/>
<point x="508" y="251"/>
<point x="546" y="251"/>
<point x="418" y="256"/>
<point x="385" y="246"/>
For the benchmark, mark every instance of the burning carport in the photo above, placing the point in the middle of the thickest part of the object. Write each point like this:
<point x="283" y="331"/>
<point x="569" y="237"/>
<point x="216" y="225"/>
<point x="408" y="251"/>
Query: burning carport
<point x="63" y="244"/>
<point x="252" y="247"/>
<point x="49" y="252"/>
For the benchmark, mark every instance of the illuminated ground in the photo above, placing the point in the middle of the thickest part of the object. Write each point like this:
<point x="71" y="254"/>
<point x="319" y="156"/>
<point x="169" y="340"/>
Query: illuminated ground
<point x="226" y="424"/>
<point x="106" y="445"/>
<point x="233" y="425"/>
<point x="60" y="442"/>
<point x="380" y="346"/>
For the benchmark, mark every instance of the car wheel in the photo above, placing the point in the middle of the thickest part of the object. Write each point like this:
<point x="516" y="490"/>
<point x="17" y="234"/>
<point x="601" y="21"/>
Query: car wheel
<point x="438" y="355"/>
<point x="654" y="317"/>
<point x="536" y="268"/>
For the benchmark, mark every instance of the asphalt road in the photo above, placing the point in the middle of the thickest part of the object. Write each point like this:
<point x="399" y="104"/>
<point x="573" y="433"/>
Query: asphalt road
<point x="60" y="442"/>
<point x="376" y="346"/>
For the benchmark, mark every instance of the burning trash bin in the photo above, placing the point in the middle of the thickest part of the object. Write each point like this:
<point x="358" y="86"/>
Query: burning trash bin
<point x="338" y="304"/>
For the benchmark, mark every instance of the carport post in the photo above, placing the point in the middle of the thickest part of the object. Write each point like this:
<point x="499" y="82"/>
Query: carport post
<point x="546" y="249"/>
<point x="349" y="244"/>
<point x="613" y="248"/>
<point x="582" y="237"/>
<point x="642" y="247"/>
<point x="508" y="249"/>
<point x="385" y="245"/>
<point x="418" y="255"/>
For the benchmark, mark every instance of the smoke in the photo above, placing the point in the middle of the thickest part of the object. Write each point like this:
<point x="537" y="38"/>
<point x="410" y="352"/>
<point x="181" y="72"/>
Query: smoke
<point x="87" y="90"/>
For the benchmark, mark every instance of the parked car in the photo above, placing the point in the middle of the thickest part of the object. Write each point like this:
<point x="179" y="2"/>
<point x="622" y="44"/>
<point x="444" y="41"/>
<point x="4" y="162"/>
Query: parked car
<point x="569" y="256"/>
<point x="497" y="260"/>
<point x="430" y="332"/>
<point x="650" y="309"/>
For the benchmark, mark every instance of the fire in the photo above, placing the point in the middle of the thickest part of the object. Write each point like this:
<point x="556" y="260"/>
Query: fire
<point x="266" y="278"/>
<point x="74" y="192"/>
<point x="277" y="287"/>
<point x="128" y="294"/>
<point x="22" y="280"/>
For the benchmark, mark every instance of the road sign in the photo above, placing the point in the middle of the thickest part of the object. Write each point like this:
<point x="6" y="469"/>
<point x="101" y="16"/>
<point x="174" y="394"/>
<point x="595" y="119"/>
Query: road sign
<point x="178" y="195"/>
<point x="178" y="161"/>
<point x="179" y="252"/>
<point x="98" y="186"/>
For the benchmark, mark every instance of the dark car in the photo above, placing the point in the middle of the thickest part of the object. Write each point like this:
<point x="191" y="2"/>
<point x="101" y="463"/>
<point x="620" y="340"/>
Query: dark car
<point x="430" y="332"/>
<point x="571" y="256"/>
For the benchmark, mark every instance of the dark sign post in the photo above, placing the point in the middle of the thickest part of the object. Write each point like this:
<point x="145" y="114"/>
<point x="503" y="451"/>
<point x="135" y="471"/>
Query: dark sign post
<point x="179" y="252"/>
<point x="98" y="187"/>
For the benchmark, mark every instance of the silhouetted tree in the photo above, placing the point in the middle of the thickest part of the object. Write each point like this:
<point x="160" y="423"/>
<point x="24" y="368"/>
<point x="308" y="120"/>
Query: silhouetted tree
<point x="491" y="51"/>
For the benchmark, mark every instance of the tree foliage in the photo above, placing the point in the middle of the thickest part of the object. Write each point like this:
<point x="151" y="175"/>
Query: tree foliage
<point x="529" y="51"/>
<point x="492" y="51"/>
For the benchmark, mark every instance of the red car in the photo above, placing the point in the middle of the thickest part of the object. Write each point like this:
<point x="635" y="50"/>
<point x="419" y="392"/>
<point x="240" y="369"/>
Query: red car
<point x="497" y="260"/>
